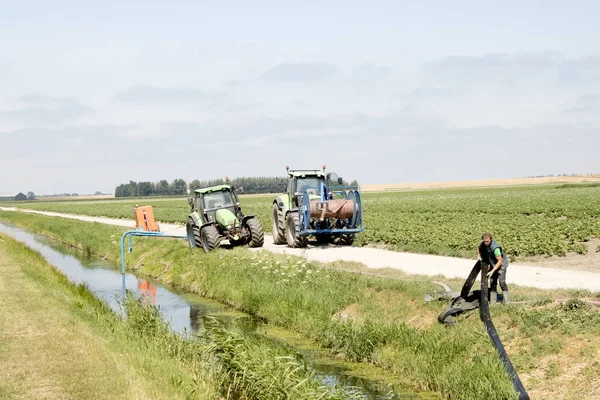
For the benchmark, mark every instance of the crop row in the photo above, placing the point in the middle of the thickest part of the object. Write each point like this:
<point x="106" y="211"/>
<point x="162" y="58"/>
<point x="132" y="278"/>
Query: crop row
<point x="527" y="221"/>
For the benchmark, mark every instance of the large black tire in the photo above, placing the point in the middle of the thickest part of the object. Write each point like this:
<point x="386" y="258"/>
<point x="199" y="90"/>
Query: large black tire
<point x="277" y="225"/>
<point x="210" y="238"/>
<point x="238" y="242"/>
<point x="344" y="239"/>
<point x="291" y="232"/>
<point x="324" y="239"/>
<point x="257" y="233"/>
<point x="193" y="234"/>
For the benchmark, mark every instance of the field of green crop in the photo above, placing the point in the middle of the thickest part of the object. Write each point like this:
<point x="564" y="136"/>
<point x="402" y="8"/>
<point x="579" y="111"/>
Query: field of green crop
<point x="526" y="220"/>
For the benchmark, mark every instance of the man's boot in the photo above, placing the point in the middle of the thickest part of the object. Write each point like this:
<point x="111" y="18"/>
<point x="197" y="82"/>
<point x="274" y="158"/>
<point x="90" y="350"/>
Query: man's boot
<point x="493" y="297"/>
<point x="505" y="297"/>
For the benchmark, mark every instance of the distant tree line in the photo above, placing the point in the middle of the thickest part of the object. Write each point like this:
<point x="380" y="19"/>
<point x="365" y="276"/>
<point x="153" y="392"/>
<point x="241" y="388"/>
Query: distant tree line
<point x="553" y="175"/>
<point x="179" y="187"/>
<point x="143" y="189"/>
<point x="62" y="195"/>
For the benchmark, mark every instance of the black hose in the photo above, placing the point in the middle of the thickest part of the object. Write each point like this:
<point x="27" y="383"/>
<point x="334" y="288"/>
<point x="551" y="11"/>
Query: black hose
<point x="486" y="318"/>
<point x="464" y="292"/>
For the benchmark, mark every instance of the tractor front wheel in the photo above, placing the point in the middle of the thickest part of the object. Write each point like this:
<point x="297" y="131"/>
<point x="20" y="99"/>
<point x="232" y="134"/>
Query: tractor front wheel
<point x="193" y="234"/>
<point x="257" y="233"/>
<point x="292" y="233"/>
<point x="277" y="225"/>
<point x="210" y="238"/>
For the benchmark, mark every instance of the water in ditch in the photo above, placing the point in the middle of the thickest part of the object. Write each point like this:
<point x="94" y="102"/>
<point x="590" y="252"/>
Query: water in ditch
<point x="185" y="312"/>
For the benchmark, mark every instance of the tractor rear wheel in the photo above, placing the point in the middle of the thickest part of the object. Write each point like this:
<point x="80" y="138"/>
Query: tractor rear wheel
<point x="193" y="234"/>
<point x="277" y="225"/>
<point x="210" y="238"/>
<point x="257" y="233"/>
<point x="291" y="231"/>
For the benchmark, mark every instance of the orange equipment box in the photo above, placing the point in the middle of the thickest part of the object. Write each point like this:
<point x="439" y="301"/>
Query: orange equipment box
<point x="144" y="219"/>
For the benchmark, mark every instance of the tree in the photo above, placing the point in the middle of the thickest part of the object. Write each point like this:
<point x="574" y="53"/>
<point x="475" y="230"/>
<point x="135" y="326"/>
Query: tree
<point x="122" y="190"/>
<point x="163" y="187"/>
<point x="133" y="189"/>
<point x="145" y="189"/>
<point x="179" y="187"/>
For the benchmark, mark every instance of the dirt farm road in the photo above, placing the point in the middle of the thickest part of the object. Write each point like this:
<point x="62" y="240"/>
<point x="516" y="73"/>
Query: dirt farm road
<point x="428" y="265"/>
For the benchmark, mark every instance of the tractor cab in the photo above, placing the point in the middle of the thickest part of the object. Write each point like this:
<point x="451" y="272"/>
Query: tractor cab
<point x="217" y="204"/>
<point x="310" y="184"/>
<point x="219" y="199"/>
<point x="313" y="182"/>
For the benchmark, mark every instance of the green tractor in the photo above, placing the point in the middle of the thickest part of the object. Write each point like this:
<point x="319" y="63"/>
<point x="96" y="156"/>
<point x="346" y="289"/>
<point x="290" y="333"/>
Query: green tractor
<point x="216" y="214"/>
<point x="316" y="204"/>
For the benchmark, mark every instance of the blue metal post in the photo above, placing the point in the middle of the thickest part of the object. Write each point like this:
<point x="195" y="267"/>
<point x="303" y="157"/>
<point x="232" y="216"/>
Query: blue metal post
<point x="140" y="233"/>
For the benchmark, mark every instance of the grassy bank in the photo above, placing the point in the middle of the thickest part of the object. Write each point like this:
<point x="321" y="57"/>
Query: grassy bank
<point x="76" y="347"/>
<point x="61" y="342"/>
<point x="370" y="319"/>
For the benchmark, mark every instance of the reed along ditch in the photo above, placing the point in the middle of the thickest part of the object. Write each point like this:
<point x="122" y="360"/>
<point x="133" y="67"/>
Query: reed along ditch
<point x="186" y="314"/>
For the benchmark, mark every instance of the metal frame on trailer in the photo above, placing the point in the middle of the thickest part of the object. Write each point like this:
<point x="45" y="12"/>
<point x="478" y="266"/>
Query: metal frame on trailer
<point x="348" y="193"/>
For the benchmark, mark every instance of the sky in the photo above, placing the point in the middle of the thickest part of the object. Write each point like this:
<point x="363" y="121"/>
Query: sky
<point x="95" y="95"/>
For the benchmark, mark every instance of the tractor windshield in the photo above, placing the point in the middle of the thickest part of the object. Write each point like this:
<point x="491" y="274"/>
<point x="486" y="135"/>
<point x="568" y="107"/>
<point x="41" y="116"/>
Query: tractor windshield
<point x="310" y="184"/>
<point x="218" y="200"/>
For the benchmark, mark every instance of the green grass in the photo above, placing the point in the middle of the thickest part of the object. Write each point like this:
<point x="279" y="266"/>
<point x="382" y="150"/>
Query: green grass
<point x="247" y="367"/>
<point x="363" y="318"/>
<point x="59" y="341"/>
<point x="527" y="220"/>
<point x="139" y="357"/>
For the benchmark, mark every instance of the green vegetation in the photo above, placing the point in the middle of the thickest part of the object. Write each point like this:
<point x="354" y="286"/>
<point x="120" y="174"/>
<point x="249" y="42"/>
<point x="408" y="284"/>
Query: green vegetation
<point x="373" y="320"/>
<point x="247" y="367"/>
<point x="139" y="357"/>
<point x="59" y="341"/>
<point x="527" y="220"/>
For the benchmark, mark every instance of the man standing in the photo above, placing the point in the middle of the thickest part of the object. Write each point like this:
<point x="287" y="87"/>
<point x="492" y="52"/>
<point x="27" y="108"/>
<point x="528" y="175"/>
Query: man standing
<point x="491" y="252"/>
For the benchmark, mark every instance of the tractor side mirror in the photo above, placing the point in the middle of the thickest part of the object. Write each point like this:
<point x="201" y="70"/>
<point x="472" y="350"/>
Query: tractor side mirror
<point x="340" y="181"/>
<point x="191" y="201"/>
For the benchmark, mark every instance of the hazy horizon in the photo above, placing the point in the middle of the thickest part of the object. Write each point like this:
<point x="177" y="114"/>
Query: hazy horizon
<point x="97" y="95"/>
